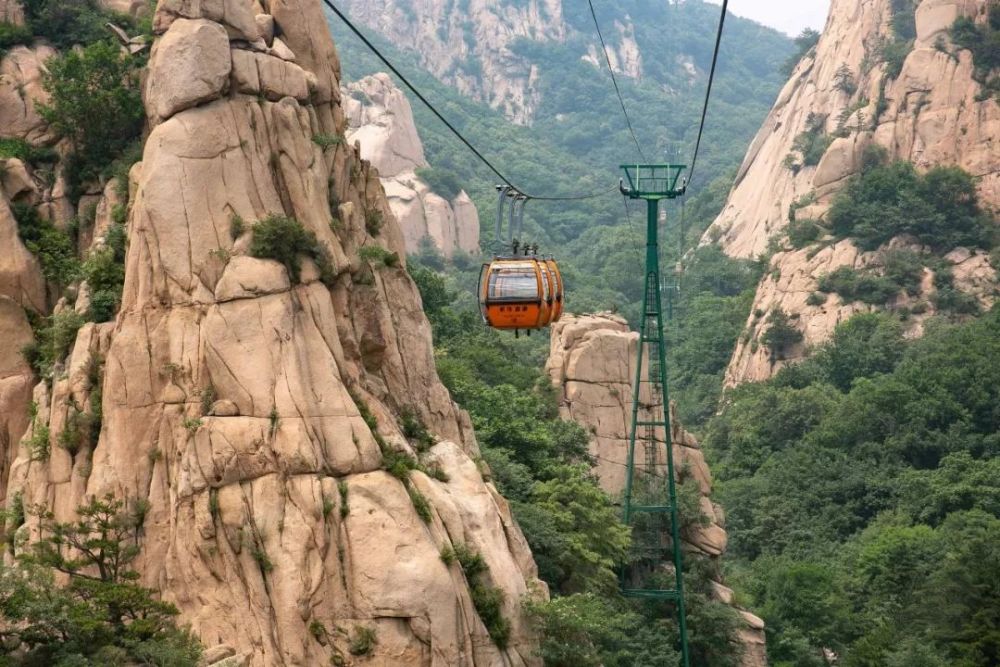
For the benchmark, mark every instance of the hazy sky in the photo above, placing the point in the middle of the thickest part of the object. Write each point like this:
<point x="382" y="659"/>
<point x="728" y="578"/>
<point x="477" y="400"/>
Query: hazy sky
<point x="789" y="16"/>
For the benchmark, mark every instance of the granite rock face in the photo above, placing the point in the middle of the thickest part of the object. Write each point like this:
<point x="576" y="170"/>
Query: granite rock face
<point x="477" y="50"/>
<point x="932" y="113"/>
<point x="446" y="45"/>
<point x="380" y="118"/>
<point x="249" y="409"/>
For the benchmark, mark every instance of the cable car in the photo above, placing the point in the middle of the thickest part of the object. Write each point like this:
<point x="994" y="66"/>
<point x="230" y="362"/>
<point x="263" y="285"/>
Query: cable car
<point x="519" y="290"/>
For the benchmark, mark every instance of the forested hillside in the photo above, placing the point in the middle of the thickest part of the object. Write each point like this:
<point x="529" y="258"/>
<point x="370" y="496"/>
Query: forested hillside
<point x="541" y="464"/>
<point x="862" y="490"/>
<point x="579" y="138"/>
<point x="860" y="477"/>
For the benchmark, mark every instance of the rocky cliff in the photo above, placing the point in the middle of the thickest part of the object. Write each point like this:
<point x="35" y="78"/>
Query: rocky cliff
<point x="592" y="365"/>
<point x="250" y="411"/>
<point x="478" y="50"/>
<point x="843" y="98"/>
<point x="471" y="49"/>
<point x="380" y="118"/>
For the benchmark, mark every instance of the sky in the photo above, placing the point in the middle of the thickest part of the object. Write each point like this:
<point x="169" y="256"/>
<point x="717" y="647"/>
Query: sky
<point x="789" y="16"/>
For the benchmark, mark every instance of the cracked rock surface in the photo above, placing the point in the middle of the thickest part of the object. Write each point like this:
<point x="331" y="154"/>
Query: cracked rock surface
<point x="380" y="117"/>
<point x="242" y="404"/>
<point x="932" y="113"/>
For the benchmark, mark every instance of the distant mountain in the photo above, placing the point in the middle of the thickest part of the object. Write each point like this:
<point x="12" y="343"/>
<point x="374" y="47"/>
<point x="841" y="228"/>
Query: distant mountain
<point x="515" y="54"/>
<point x="527" y="82"/>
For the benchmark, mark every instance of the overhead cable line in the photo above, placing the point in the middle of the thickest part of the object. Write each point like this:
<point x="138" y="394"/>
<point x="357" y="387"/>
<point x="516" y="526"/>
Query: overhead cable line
<point x="708" y="90"/>
<point x="614" y="80"/>
<point x="447" y="124"/>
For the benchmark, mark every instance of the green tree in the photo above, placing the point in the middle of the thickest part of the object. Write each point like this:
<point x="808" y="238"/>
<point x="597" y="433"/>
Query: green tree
<point x="53" y="247"/>
<point x="67" y="23"/>
<point x="102" y="617"/>
<point x="95" y="102"/>
<point x="804" y="43"/>
<point x="575" y="533"/>
<point x="285" y="240"/>
<point x="960" y="482"/>
<point x="104" y="271"/>
<point x="12" y="35"/>
<point x="864" y="479"/>
<point x="807" y="597"/>
<point x="983" y="40"/>
<point x="966" y="619"/>
<point x="440" y="181"/>
<point x="586" y="630"/>
<point x="941" y="208"/>
<point x="780" y="334"/>
<point x="863" y="346"/>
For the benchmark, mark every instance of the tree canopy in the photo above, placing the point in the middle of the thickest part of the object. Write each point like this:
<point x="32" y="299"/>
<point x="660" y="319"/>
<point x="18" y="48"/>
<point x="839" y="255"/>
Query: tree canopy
<point x="862" y="496"/>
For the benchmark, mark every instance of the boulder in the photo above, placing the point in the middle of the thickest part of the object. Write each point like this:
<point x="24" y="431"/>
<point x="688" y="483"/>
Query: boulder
<point x="710" y="539"/>
<point x="11" y="12"/>
<point x="280" y="78"/>
<point x="265" y="27"/>
<point x="21" y="92"/>
<point x="189" y="65"/>
<point x="723" y="594"/>
<point x="215" y="654"/>
<point x="839" y="162"/>
<point x="246" y="79"/>
<point x="280" y="50"/>
<point x="752" y="621"/>
<point x="15" y="180"/>
<point x="235" y="16"/>
<point x="248" y="277"/>
<point x="224" y="408"/>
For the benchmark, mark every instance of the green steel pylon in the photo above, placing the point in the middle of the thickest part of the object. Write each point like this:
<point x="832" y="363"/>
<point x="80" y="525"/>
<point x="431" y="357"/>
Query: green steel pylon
<point x="650" y="503"/>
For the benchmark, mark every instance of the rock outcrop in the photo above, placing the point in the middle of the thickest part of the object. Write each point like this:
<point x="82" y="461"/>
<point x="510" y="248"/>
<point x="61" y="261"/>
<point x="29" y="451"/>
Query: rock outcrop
<point x="379" y="117"/>
<point x="592" y="365"/>
<point x="472" y="49"/>
<point x="11" y="12"/>
<point x="931" y="113"/>
<point x="623" y="52"/>
<point x="250" y="412"/>
<point x="21" y="92"/>
<point x="476" y="50"/>
<point x="791" y="286"/>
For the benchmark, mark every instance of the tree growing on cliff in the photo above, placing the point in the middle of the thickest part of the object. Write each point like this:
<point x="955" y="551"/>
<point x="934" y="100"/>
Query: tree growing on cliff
<point x="102" y="616"/>
<point x="940" y="208"/>
<point x="804" y="43"/>
<point x="94" y="101"/>
<point x="780" y="335"/>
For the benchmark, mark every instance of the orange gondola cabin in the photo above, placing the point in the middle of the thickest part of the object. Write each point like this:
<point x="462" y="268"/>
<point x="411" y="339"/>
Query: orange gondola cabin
<point x="519" y="290"/>
<point x="520" y="293"/>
